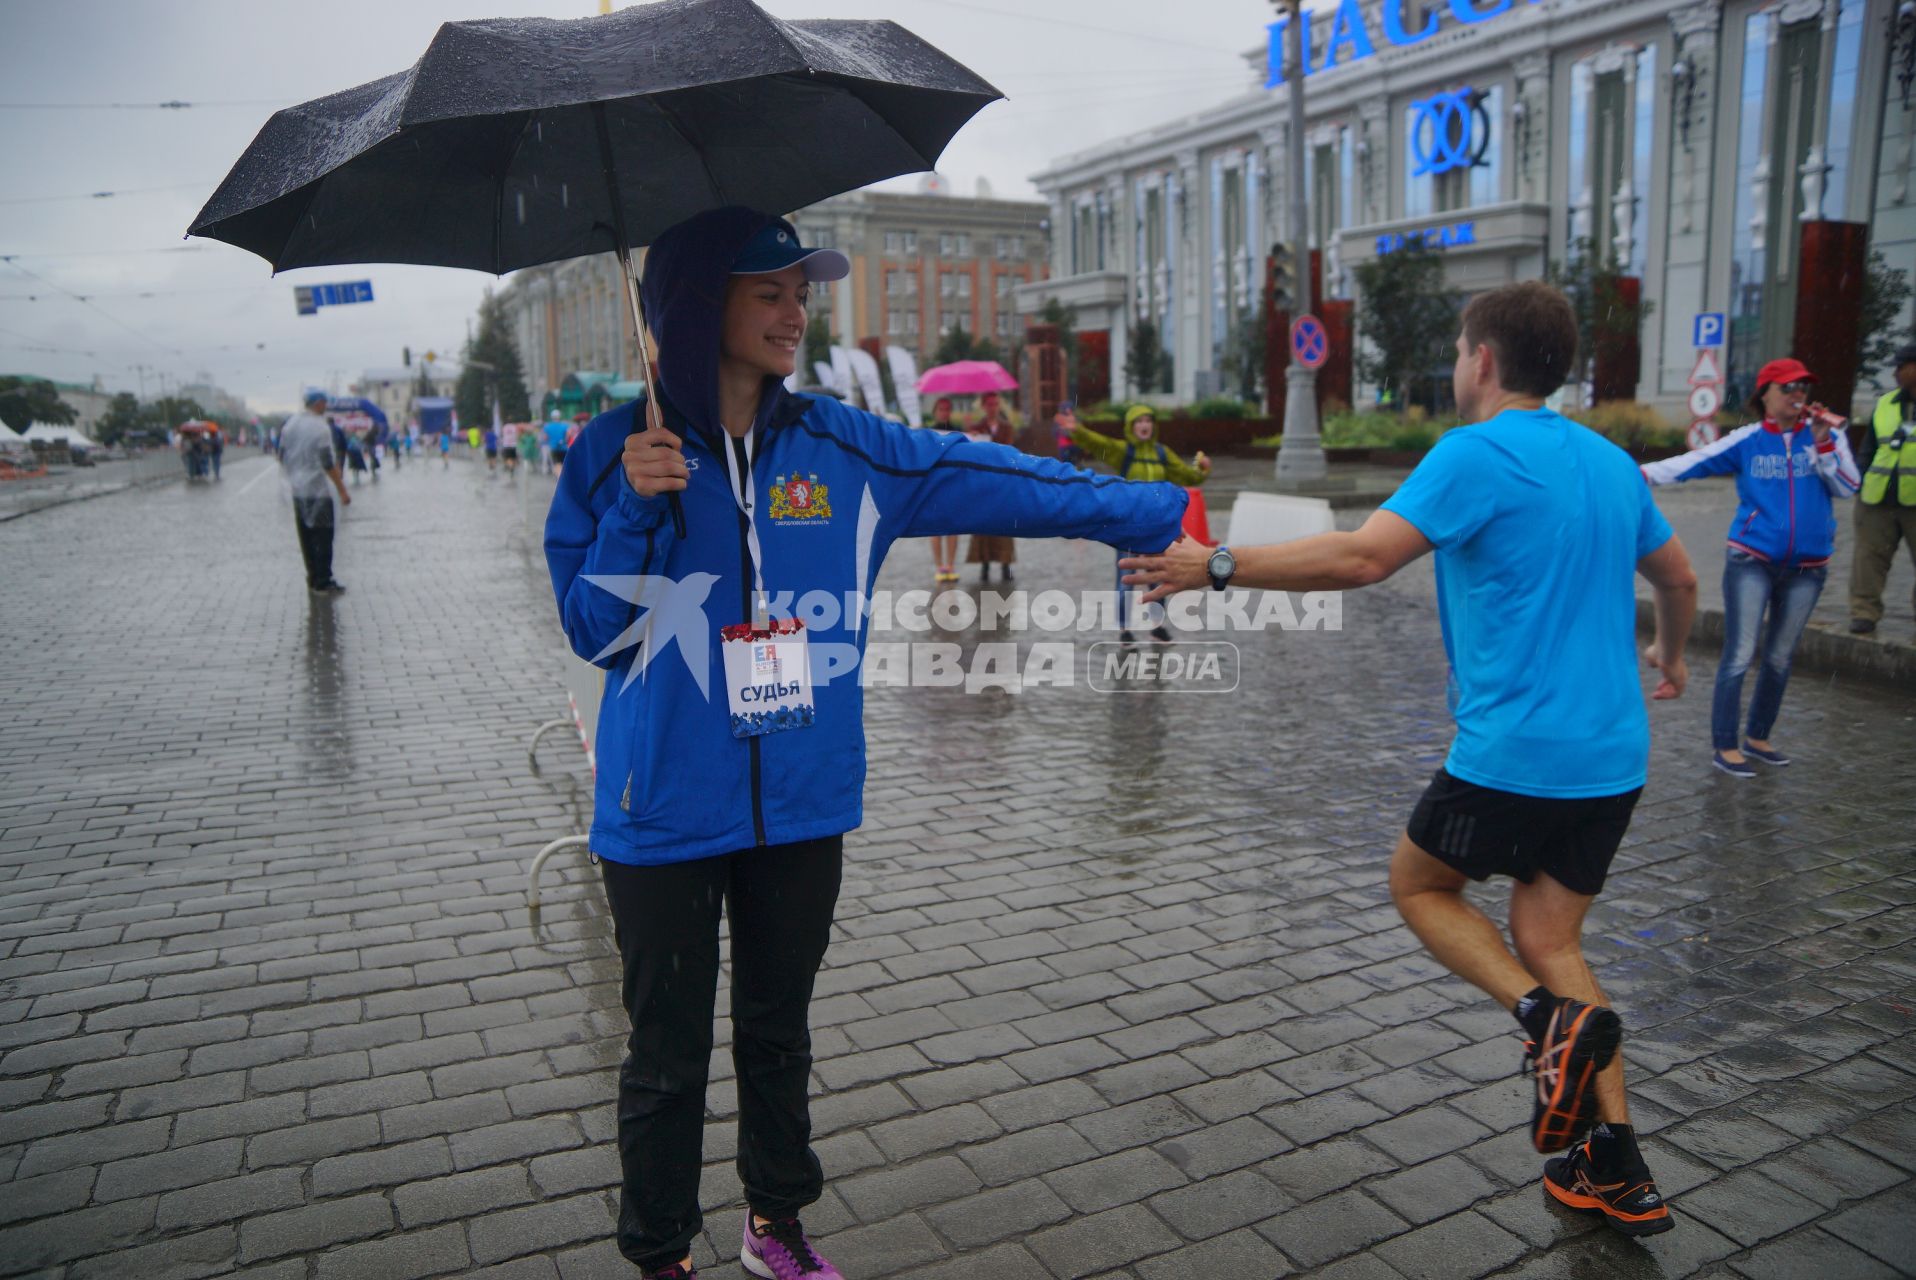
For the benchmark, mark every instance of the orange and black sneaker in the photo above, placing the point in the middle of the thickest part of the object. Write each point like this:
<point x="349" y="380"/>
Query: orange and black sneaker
<point x="1627" y="1199"/>
<point x="1579" y="1042"/>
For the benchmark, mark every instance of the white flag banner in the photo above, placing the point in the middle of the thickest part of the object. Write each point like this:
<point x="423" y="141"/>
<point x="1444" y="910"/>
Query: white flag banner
<point x="868" y="380"/>
<point x="842" y="378"/>
<point x="904" y="376"/>
<point x="826" y="378"/>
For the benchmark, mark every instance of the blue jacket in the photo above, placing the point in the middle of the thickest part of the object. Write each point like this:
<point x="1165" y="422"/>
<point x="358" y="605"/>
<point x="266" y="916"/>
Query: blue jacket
<point x="1784" y="486"/>
<point x="673" y="784"/>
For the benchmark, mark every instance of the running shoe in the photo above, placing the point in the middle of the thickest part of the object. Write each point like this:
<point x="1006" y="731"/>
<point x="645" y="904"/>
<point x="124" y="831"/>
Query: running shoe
<point x="779" y="1251"/>
<point x="677" y="1271"/>
<point x="1627" y="1200"/>
<point x="1579" y="1042"/>
<point x="1162" y="634"/>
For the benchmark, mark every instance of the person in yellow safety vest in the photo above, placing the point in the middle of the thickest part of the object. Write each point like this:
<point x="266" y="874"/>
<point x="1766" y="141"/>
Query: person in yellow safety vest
<point x="1886" y="504"/>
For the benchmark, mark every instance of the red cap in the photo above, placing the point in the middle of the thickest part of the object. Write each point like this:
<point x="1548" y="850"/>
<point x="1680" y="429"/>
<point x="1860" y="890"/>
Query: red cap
<point x="1780" y="371"/>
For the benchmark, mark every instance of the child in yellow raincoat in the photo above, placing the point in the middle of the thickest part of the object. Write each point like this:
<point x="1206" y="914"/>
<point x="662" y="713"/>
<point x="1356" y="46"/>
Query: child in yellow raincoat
<point x="1140" y="456"/>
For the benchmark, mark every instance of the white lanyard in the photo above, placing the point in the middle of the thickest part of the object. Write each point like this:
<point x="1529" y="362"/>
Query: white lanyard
<point x="744" y="493"/>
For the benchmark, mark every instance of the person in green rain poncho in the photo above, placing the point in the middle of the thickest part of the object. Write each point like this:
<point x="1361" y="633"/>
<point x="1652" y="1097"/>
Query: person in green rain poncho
<point x="1140" y="456"/>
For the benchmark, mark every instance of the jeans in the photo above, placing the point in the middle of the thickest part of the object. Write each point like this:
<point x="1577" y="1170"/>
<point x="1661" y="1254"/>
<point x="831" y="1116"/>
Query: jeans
<point x="779" y="901"/>
<point x="1764" y="606"/>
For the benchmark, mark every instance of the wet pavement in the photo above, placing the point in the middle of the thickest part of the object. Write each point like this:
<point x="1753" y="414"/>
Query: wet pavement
<point x="1116" y="988"/>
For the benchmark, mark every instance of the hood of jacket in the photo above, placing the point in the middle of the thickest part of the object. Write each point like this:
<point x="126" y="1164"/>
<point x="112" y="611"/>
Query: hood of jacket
<point x="687" y="270"/>
<point x="1131" y="417"/>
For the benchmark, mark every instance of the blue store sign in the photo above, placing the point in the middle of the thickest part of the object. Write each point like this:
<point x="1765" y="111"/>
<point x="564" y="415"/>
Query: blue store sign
<point x="1447" y="236"/>
<point x="1449" y="131"/>
<point x="1351" y="35"/>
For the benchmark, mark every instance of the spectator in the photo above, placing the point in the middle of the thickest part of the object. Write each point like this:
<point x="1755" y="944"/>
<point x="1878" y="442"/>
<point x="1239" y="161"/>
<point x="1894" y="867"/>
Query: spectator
<point x="1886" y="506"/>
<point x="308" y="460"/>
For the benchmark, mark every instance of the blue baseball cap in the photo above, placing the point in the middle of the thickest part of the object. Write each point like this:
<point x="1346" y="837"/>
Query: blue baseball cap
<point x="315" y="394"/>
<point x="776" y="247"/>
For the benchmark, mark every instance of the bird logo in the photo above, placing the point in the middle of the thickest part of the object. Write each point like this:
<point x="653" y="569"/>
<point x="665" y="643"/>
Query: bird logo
<point x="669" y="611"/>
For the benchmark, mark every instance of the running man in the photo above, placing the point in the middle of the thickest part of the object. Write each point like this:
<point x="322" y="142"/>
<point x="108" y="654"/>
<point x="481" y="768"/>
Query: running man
<point x="1539" y="525"/>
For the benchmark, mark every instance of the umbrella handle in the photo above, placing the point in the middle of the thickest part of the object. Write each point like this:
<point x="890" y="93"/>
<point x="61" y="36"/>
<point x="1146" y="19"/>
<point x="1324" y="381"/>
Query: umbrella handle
<point x="632" y="289"/>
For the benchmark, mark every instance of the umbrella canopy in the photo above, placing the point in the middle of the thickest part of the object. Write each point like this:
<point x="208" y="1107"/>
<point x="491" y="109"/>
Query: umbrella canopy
<point x="966" y="378"/>
<point x="517" y="141"/>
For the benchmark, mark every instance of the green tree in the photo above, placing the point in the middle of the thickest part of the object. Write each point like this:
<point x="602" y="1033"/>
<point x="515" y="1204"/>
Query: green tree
<point x="1407" y="318"/>
<point x="25" y="401"/>
<point x="954" y="346"/>
<point x="1144" y="362"/>
<point x="122" y="417"/>
<point x="1881" y="323"/>
<point x="986" y="349"/>
<point x="1243" y="359"/>
<point x="168" y="412"/>
<point x="492" y="372"/>
<point x="1604" y="316"/>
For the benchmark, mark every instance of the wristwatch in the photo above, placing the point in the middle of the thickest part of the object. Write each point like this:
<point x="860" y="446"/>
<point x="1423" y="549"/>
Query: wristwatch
<point x="1221" y="566"/>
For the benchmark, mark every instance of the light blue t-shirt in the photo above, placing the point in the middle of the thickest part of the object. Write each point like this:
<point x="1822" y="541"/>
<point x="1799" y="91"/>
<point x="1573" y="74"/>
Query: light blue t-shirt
<point x="1538" y="524"/>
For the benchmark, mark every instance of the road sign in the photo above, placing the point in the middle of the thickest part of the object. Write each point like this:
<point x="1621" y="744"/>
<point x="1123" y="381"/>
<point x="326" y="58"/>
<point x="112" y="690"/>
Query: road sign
<point x="1709" y="329"/>
<point x="1707" y="369"/>
<point x="1705" y="400"/>
<point x="1702" y="432"/>
<point x="309" y="298"/>
<point x="1309" y="342"/>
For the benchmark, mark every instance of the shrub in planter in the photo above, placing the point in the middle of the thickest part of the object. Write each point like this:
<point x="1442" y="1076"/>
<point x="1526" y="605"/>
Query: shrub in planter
<point x="1221" y="407"/>
<point x="1629" y="424"/>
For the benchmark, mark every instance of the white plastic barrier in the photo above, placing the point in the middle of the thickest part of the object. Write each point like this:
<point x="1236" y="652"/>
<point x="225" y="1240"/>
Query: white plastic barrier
<point x="1258" y="518"/>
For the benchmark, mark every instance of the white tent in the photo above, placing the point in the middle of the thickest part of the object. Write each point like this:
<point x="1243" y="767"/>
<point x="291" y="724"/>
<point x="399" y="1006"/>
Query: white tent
<point x="11" y="439"/>
<point x="70" y="436"/>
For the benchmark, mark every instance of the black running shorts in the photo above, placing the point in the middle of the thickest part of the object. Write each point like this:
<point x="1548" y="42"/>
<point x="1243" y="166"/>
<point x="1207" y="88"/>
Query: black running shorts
<point x="1483" y="832"/>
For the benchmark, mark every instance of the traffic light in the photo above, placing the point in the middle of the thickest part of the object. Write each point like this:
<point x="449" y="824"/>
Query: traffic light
<point x="1280" y="278"/>
<point x="407" y="356"/>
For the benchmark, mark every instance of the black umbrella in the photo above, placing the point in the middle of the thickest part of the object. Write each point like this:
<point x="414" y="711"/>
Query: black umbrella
<point x="517" y="141"/>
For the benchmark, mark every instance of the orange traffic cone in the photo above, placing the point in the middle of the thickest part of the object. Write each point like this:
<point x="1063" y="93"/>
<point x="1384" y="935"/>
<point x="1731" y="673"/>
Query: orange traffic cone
<point x="1197" y="518"/>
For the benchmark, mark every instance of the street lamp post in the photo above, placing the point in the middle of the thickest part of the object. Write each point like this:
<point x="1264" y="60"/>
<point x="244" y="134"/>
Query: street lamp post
<point x="1300" y="455"/>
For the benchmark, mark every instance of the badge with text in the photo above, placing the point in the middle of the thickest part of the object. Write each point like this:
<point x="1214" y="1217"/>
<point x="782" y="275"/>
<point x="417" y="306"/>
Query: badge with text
<point x="768" y="677"/>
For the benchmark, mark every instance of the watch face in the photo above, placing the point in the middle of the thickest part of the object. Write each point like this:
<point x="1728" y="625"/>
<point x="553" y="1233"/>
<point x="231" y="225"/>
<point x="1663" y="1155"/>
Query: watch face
<point x="1221" y="564"/>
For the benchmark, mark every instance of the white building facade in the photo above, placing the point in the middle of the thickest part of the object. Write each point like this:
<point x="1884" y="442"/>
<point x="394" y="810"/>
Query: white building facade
<point x="1691" y="141"/>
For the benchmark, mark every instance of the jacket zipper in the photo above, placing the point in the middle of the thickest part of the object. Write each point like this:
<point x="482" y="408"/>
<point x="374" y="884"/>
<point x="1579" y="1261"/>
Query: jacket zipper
<point x="1789" y="475"/>
<point x="751" y="743"/>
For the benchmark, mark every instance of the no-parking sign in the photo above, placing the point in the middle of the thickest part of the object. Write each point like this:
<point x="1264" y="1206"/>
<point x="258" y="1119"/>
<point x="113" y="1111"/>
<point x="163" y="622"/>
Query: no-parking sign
<point x="1309" y="341"/>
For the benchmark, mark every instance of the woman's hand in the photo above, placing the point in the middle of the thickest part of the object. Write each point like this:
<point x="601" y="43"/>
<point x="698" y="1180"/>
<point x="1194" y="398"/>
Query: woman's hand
<point x="654" y="462"/>
<point x="1821" y="422"/>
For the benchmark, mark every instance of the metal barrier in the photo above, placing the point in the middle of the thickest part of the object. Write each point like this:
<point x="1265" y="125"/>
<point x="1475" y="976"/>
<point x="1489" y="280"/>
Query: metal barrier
<point x="584" y="687"/>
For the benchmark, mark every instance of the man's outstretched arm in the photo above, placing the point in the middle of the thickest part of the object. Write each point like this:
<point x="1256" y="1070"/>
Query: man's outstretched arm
<point x="1668" y="571"/>
<point x="1326" y="562"/>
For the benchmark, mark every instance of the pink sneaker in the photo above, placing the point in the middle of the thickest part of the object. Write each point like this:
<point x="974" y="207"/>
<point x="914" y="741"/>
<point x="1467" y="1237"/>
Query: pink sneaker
<point x="779" y="1251"/>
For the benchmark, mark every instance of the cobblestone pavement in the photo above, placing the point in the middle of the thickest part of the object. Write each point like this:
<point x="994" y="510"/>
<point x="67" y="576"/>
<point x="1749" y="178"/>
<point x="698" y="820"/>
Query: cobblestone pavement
<point x="1116" y="988"/>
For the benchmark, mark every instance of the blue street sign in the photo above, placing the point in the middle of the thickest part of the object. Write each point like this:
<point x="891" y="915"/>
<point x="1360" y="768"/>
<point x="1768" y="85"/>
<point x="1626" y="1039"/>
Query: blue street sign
<point x="1309" y="343"/>
<point x="1709" y="329"/>
<point x="310" y="298"/>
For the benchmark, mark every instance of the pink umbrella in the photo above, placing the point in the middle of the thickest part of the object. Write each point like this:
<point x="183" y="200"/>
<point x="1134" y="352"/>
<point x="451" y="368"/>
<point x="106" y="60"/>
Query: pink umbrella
<point x="966" y="378"/>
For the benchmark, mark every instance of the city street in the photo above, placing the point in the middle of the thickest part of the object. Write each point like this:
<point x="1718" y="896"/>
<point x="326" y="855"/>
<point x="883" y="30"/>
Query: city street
<point x="1116" y="987"/>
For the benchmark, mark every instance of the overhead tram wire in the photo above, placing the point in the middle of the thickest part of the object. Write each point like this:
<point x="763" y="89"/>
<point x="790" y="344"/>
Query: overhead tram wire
<point x="174" y="105"/>
<point x="10" y="260"/>
<point x="107" y="195"/>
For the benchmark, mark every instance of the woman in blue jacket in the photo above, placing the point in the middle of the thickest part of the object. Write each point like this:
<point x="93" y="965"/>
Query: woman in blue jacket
<point x="731" y="762"/>
<point x="1789" y="467"/>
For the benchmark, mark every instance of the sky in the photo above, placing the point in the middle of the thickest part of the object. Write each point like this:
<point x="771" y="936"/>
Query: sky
<point x="108" y="287"/>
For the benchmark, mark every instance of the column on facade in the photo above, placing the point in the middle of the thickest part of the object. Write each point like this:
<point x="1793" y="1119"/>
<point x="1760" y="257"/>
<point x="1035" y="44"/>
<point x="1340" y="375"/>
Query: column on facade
<point x="1123" y="261"/>
<point x="1530" y="127"/>
<point x="1695" y="95"/>
<point x="1190" y="202"/>
<point x="1373" y="160"/>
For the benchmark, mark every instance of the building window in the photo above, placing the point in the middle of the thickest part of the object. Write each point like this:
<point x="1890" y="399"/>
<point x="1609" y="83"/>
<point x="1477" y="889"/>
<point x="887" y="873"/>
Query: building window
<point x="1842" y="108"/>
<point x="901" y="283"/>
<point x="904" y="242"/>
<point x="953" y="244"/>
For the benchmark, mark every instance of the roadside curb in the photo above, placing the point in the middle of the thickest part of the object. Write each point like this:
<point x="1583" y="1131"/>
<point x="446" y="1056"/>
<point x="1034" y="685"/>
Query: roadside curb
<point x="1830" y="652"/>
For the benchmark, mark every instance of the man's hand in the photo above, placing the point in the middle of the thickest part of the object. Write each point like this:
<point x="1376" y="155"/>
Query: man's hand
<point x="1676" y="674"/>
<point x="1179" y="567"/>
<point x="654" y="462"/>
